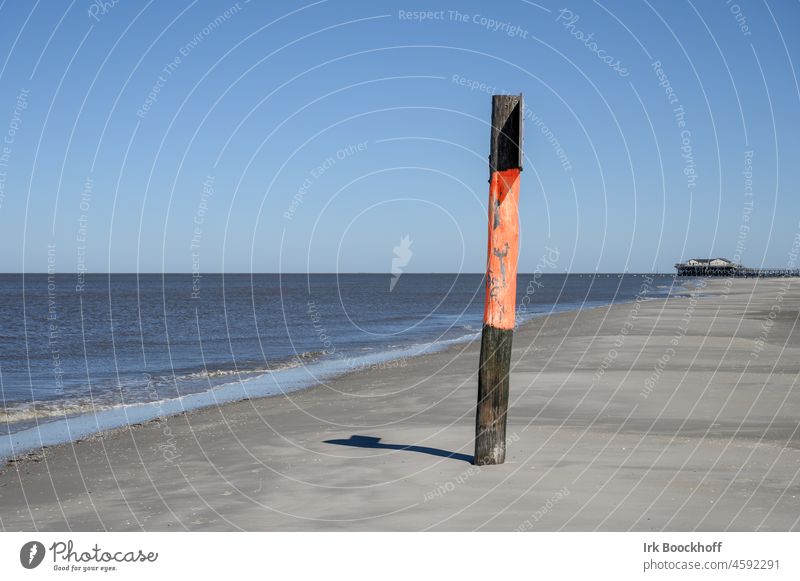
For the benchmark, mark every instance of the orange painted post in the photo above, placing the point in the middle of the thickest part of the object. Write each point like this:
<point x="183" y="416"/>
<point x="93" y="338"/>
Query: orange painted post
<point x="505" y="165"/>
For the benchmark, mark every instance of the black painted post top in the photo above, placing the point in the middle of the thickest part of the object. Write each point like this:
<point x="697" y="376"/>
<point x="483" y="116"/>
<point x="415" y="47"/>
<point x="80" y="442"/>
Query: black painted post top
<point x="506" y="140"/>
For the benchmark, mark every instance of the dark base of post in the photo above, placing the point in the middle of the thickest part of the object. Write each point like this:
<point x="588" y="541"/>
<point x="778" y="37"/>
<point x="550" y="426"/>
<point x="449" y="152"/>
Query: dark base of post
<point x="490" y="423"/>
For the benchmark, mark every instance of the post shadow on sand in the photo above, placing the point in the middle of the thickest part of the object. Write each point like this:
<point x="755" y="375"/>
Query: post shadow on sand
<point x="375" y="444"/>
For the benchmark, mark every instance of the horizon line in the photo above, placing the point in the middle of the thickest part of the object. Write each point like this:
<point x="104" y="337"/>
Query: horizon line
<point x="150" y="273"/>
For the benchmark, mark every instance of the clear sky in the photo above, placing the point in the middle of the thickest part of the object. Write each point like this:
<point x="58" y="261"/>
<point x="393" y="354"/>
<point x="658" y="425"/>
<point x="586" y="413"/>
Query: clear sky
<point x="296" y="136"/>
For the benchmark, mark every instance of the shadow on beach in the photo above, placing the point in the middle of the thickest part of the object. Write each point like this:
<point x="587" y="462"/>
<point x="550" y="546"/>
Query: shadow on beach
<point x="376" y="444"/>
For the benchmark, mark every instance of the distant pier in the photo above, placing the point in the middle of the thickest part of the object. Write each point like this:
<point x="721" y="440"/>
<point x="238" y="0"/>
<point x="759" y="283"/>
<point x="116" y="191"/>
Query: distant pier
<point x="727" y="268"/>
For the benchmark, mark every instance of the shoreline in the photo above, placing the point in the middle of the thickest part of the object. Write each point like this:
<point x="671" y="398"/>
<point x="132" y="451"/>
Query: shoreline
<point x="52" y="433"/>
<point x="389" y="449"/>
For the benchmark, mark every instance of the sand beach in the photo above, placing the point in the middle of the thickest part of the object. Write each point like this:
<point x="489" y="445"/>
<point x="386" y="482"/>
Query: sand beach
<point x="677" y="414"/>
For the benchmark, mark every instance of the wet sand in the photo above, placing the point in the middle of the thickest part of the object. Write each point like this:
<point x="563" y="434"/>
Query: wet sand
<point x="678" y="414"/>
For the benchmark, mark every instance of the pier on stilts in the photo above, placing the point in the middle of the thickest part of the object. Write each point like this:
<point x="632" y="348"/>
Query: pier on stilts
<point x="726" y="268"/>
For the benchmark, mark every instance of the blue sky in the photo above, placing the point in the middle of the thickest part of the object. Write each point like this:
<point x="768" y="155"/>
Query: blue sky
<point x="296" y="136"/>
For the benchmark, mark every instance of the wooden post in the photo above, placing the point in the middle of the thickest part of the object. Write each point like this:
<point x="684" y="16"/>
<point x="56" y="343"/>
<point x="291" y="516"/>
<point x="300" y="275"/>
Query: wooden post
<point x="505" y="165"/>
